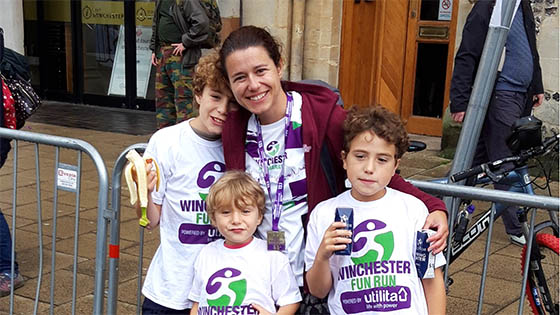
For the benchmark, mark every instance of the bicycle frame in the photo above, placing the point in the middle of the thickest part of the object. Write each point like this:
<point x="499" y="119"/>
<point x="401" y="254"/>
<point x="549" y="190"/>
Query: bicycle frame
<point x="520" y="182"/>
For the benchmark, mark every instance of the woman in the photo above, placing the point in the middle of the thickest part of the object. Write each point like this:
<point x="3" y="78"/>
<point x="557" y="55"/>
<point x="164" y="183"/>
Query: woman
<point x="279" y="136"/>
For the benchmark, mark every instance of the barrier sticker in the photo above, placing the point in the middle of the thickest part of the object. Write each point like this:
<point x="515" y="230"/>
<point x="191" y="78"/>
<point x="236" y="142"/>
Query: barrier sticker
<point x="67" y="177"/>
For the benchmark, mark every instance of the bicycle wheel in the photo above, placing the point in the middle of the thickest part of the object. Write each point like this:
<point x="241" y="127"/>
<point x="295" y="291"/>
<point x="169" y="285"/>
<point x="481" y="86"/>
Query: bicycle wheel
<point x="545" y="279"/>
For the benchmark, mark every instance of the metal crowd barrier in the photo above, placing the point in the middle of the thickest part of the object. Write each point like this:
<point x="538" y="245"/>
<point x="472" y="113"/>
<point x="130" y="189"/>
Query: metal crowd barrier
<point x="497" y="196"/>
<point x="114" y="219"/>
<point x="67" y="177"/>
<point x="112" y="216"/>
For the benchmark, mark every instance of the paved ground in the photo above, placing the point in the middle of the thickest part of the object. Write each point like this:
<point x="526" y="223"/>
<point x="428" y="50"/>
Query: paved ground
<point x="503" y="281"/>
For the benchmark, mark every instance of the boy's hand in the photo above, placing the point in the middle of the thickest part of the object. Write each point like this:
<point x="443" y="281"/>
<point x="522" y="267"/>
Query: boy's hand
<point x="260" y="310"/>
<point x="336" y="237"/>
<point x="438" y="241"/>
<point x="150" y="173"/>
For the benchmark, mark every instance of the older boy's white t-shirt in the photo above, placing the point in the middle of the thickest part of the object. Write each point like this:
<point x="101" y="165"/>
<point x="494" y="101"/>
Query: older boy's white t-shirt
<point x="228" y="281"/>
<point x="189" y="165"/>
<point x="380" y="274"/>
<point x="294" y="201"/>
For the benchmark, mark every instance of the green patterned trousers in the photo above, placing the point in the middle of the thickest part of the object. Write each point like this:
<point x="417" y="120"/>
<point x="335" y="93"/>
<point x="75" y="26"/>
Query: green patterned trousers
<point x="174" y="97"/>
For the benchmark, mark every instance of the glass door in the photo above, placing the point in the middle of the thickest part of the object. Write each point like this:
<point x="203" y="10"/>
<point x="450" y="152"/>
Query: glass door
<point x="103" y="35"/>
<point x="48" y="46"/>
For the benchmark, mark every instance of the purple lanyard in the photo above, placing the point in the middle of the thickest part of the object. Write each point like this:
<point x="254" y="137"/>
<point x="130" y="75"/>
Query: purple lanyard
<point x="276" y="203"/>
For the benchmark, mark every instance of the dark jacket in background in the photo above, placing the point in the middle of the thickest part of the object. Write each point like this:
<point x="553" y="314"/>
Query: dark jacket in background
<point x="470" y="51"/>
<point x="191" y="19"/>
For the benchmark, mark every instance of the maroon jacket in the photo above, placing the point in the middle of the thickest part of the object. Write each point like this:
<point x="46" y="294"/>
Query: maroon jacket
<point x="322" y="122"/>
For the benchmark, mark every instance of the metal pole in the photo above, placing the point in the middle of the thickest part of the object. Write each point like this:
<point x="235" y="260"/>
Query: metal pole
<point x="130" y="53"/>
<point x="480" y="97"/>
<point x="485" y="194"/>
<point x="114" y="239"/>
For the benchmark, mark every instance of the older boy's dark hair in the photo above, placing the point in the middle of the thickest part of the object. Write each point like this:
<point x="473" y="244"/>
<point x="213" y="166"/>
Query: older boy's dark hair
<point x="377" y="119"/>
<point x="208" y="71"/>
<point x="237" y="189"/>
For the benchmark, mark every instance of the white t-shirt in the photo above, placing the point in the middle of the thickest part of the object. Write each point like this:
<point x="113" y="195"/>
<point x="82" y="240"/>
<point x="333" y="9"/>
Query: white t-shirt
<point x="294" y="200"/>
<point x="231" y="280"/>
<point x="189" y="165"/>
<point x="380" y="274"/>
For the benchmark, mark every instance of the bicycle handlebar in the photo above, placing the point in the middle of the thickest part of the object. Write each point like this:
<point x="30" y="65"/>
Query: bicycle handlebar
<point x="517" y="159"/>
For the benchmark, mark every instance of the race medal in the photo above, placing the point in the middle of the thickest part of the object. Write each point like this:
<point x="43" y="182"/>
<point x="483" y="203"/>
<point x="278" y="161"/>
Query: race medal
<point x="276" y="240"/>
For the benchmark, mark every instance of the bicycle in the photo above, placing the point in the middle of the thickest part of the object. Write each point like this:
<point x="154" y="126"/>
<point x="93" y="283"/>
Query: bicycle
<point x="542" y="285"/>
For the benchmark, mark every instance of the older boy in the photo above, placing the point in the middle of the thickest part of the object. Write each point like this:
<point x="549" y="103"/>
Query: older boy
<point x="190" y="159"/>
<point x="380" y="273"/>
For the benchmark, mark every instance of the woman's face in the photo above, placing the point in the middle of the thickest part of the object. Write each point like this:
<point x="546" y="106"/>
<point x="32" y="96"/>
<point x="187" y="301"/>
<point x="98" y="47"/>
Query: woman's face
<point x="255" y="83"/>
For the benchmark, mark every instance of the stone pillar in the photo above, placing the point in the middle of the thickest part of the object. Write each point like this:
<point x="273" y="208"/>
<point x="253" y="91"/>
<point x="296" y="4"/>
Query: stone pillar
<point x="546" y="18"/>
<point x="274" y="16"/>
<point x="11" y="20"/>
<point x="323" y="20"/>
<point x="298" y="40"/>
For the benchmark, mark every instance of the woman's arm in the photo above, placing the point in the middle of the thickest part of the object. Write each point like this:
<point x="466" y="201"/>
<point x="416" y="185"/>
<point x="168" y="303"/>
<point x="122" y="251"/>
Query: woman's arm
<point x="431" y="202"/>
<point x="437" y="219"/>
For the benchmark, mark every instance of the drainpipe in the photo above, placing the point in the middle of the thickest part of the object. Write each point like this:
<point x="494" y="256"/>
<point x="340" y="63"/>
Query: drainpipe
<point x="240" y="12"/>
<point x="296" y="51"/>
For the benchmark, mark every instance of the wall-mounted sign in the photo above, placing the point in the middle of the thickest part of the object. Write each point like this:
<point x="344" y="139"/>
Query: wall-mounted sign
<point x="93" y="12"/>
<point x="112" y="12"/>
<point x="143" y="63"/>
<point x="445" y="9"/>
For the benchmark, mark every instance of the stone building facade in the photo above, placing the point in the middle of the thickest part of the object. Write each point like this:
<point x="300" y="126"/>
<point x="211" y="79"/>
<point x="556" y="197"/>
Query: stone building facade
<point x="311" y="33"/>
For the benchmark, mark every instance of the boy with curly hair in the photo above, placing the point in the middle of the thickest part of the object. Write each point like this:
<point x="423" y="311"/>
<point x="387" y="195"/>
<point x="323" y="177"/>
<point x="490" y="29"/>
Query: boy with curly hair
<point x="379" y="274"/>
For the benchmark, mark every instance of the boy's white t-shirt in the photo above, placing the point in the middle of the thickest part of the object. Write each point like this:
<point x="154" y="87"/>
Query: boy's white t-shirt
<point x="189" y="165"/>
<point x="380" y="274"/>
<point x="294" y="201"/>
<point x="230" y="280"/>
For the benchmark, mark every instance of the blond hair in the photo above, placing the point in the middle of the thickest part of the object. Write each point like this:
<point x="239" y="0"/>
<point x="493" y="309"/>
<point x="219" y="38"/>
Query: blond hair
<point x="235" y="189"/>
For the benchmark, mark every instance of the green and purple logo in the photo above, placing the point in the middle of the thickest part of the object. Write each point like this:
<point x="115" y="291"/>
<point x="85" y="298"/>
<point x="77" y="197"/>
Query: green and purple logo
<point x="381" y="242"/>
<point x="226" y="287"/>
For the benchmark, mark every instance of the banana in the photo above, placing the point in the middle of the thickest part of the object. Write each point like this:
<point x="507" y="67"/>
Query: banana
<point x="131" y="184"/>
<point x="139" y="191"/>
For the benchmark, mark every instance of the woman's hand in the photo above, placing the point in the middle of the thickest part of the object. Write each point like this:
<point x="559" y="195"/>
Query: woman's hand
<point x="437" y="220"/>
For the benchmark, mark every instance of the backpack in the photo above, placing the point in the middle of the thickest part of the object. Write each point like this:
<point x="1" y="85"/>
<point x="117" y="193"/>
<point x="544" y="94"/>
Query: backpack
<point x="215" y="25"/>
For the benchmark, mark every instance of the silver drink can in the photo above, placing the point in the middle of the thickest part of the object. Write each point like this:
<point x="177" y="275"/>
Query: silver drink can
<point x="425" y="260"/>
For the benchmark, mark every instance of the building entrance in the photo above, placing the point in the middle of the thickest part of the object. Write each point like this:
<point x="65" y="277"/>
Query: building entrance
<point x="76" y="51"/>
<point x="399" y="54"/>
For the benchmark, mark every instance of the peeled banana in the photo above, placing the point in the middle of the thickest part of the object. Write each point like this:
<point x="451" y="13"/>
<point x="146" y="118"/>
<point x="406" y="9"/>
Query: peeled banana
<point x="139" y="191"/>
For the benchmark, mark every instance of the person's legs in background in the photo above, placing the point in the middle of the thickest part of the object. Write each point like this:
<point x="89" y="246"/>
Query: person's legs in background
<point x="165" y="92"/>
<point x="182" y="81"/>
<point x="6" y="260"/>
<point x="505" y="108"/>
